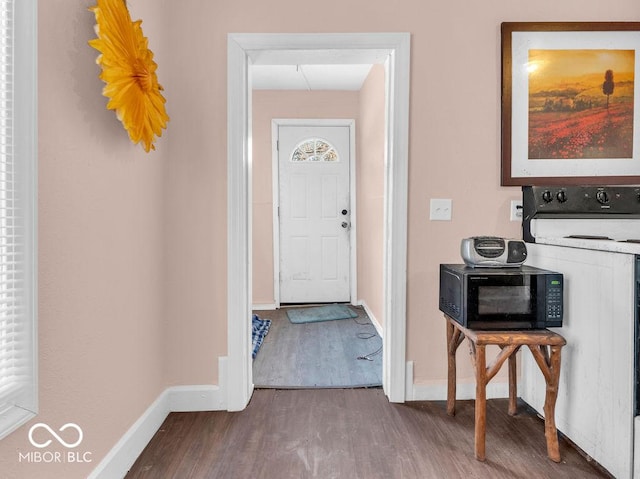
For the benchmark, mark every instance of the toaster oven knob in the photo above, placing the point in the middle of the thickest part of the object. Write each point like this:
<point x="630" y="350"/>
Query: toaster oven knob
<point x="562" y="196"/>
<point x="546" y="196"/>
<point x="602" y="197"/>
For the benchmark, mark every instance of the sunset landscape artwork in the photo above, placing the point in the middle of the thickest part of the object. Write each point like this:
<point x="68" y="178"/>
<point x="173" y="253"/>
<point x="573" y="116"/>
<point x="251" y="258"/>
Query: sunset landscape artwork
<point x="581" y="104"/>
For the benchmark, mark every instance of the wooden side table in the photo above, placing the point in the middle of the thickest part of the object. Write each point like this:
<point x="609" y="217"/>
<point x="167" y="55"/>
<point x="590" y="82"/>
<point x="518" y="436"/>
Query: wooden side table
<point x="545" y="346"/>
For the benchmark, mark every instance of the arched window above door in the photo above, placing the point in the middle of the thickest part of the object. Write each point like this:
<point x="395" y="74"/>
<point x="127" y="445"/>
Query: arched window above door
<point x="314" y="150"/>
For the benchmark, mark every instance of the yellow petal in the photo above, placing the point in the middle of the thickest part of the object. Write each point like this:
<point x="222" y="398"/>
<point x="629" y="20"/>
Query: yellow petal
<point x="129" y="73"/>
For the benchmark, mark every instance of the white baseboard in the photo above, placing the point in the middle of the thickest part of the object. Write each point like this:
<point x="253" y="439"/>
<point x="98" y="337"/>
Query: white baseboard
<point x="121" y="457"/>
<point x="437" y="391"/>
<point x="408" y="381"/>
<point x="264" y="306"/>
<point x="196" y="398"/>
<point x="464" y="390"/>
<point x="374" y="320"/>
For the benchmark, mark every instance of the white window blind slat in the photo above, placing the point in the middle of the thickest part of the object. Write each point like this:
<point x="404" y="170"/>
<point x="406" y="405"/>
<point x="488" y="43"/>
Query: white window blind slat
<point x="18" y="346"/>
<point x="9" y="322"/>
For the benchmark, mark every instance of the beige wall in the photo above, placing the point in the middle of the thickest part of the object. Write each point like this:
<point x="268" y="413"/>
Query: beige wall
<point x="268" y="105"/>
<point x="454" y="148"/>
<point x="101" y="250"/>
<point x="370" y="189"/>
<point x="133" y="276"/>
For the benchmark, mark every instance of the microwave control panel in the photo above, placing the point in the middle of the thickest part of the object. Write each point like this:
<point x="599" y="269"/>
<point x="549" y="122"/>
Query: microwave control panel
<point x="554" y="298"/>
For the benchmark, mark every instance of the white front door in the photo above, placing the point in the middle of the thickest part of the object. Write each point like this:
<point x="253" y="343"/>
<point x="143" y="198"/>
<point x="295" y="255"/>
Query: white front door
<point x="314" y="213"/>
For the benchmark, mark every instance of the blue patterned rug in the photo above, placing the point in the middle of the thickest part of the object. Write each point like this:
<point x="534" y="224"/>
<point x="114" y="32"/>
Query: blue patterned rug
<point x="259" y="331"/>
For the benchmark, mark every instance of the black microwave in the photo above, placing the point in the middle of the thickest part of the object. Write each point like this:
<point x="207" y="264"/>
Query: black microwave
<point x="501" y="298"/>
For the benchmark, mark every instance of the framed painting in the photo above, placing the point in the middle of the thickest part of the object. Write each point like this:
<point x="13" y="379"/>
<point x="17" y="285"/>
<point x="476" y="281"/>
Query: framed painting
<point x="570" y="113"/>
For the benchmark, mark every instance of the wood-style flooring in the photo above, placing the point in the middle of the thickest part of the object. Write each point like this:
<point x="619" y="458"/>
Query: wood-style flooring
<point x="318" y="355"/>
<point x="352" y="433"/>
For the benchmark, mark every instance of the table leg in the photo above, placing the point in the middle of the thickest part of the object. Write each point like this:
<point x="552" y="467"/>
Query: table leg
<point x="451" y="372"/>
<point x="513" y="385"/>
<point x="481" y="402"/>
<point x="550" y="431"/>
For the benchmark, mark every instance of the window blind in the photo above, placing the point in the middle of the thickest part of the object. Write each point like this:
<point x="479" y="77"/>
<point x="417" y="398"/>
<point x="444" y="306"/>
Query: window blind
<point x="18" y="378"/>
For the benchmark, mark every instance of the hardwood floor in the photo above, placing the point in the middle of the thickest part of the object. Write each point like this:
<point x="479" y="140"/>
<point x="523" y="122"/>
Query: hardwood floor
<point x="323" y="354"/>
<point x="352" y="433"/>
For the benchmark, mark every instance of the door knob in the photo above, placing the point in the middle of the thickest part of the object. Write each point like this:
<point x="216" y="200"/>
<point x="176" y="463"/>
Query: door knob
<point x="344" y="224"/>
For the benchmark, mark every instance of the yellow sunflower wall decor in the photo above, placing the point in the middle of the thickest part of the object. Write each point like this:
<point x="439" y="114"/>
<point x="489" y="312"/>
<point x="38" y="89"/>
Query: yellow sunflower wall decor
<point x="129" y="72"/>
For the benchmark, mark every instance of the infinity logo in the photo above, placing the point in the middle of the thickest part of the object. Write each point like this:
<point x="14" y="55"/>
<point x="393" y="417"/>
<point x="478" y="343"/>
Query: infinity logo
<point x="53" y="433"/>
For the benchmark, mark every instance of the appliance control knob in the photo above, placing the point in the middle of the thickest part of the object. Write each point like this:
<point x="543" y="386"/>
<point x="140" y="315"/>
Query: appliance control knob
<point x="546" y="196"/>
<point x="602" y="197"/>
<point x="562" y="196"/>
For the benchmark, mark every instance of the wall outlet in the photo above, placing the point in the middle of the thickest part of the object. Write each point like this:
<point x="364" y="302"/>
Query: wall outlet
<point x="440" y="209"/>
<point x="516" y="210"/>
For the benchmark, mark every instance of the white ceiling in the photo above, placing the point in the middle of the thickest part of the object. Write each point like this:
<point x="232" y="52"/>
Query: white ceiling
<point x="309" y="77"/>
<point x="313" y="69"/>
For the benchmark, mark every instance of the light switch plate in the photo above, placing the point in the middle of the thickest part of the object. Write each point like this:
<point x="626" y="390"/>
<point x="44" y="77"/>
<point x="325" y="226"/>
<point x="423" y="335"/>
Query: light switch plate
<point x="516" y="210"/>
<point x="440" y="209"/>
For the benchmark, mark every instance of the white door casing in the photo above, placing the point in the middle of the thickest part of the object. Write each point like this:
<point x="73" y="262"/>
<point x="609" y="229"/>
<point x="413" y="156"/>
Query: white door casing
<point x="314" y="214"/>
<point x="242" y="50"/>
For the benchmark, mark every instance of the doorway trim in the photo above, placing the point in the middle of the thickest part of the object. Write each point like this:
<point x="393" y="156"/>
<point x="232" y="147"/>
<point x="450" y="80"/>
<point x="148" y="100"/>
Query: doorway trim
<point x="275" y="172"/>
<point x="243" y="49"/>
